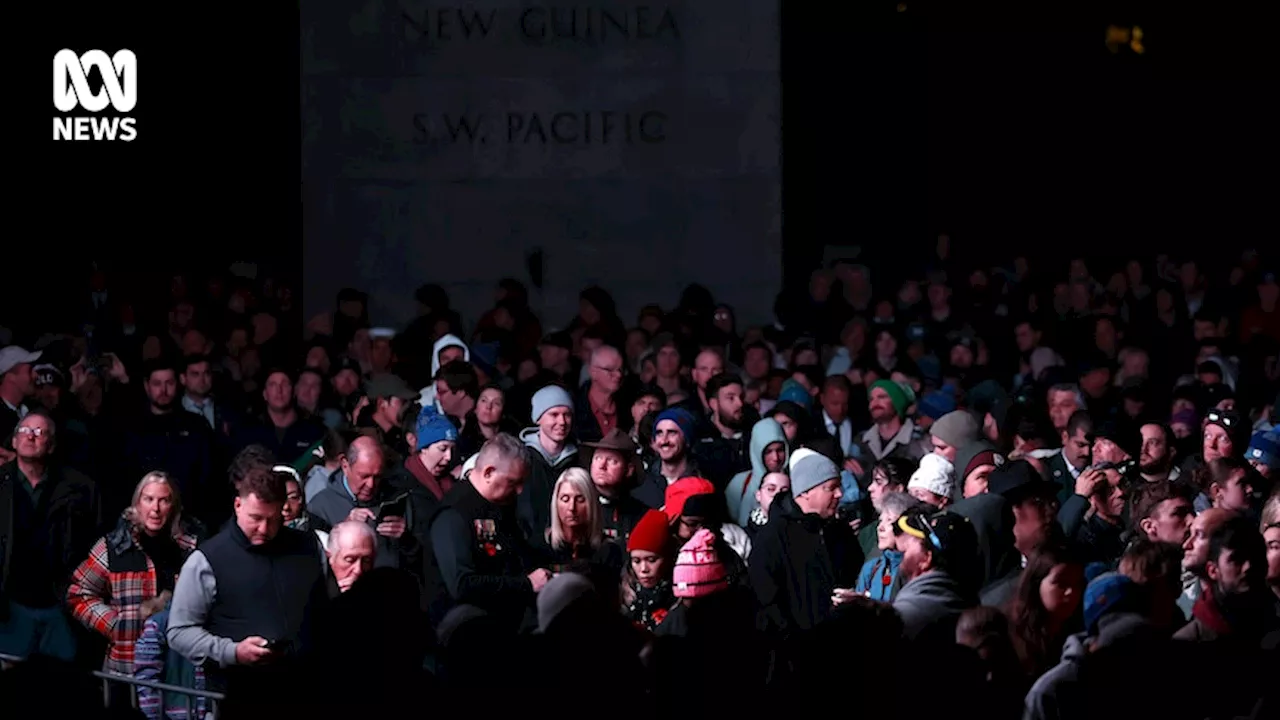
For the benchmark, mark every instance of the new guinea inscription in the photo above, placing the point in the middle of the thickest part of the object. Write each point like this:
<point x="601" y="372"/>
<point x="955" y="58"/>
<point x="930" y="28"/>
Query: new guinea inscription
<point x="541" y="25"/>
<point x="563" y="127"/>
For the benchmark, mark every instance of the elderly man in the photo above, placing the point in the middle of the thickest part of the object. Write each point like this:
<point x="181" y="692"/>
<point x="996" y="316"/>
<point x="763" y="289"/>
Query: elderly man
<point x="348" y="549"/>
<point x="357" y="492"/>
<point x="596" y="412"/>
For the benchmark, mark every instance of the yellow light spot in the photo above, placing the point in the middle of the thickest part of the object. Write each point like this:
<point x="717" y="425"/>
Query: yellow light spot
<point x="1117" y="36"/>
<point x="1136" y="43"/>
<point x="902" y="7"/>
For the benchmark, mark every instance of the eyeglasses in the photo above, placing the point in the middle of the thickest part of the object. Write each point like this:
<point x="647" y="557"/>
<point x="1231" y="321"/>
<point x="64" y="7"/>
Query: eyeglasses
<point x="32" y="431"/>
<point x="609" y="370"/>
<point x="1222" y="418"/>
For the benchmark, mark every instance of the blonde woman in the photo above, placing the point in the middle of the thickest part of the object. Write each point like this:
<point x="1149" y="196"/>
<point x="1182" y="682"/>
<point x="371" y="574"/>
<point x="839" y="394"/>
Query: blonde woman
<point x="576" y="537"/>
<point x="130" y="573"/>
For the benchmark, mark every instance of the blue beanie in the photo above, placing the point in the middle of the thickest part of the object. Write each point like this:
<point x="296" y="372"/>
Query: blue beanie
<point x="1107" y="593"/>
<point x="1264" y="447"/>
<point x="795" y="392"/>
<point x="549" y="397"/>
<point x="432" y="427"/>
<point x="937" y="403"/>
<point x="682" y="419"/>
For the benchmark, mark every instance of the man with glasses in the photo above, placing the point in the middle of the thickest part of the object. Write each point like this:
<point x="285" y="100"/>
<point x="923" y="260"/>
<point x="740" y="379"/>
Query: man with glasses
<point x="49" y="517"/>
<point x="938" y="550"/>
<point x="596" y="412"/>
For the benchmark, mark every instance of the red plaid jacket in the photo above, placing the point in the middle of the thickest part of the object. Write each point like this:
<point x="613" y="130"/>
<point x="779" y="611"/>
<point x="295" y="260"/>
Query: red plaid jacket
<point x="108" y="589"/>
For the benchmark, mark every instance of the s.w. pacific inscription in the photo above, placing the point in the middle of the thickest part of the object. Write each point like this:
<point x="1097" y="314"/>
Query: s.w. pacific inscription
<point x="541" y="25"/>
<point x="564" y="127"/>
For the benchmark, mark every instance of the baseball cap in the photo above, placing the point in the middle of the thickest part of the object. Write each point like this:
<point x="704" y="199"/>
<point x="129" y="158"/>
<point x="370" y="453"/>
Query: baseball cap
<point x="1019" y="480"/>
<point x="47" y="374"/>
<point x="13" y="356"/>
<point x="947" y="533"/>
<point x="387" y="385"/>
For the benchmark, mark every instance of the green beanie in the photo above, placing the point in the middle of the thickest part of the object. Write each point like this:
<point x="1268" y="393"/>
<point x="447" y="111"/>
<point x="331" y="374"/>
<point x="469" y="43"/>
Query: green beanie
<point x="897" y="395"/>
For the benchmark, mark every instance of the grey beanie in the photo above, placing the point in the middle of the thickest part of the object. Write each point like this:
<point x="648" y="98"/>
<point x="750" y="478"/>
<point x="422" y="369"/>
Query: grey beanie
<point x="957" y="428"/>
<point x="809" y="469"/>
<point x="549" y="397"/>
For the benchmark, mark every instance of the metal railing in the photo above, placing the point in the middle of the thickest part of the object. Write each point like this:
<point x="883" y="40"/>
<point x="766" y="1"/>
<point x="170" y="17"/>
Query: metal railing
<point x="190" y="697"/>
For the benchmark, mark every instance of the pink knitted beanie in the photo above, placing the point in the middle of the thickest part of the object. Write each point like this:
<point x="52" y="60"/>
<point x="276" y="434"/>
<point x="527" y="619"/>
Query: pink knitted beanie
<point x="698" y="570"/>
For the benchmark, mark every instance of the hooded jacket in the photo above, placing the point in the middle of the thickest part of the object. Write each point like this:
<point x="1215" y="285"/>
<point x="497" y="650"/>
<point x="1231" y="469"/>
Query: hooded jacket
<point x="930" y="606"/>
<point x="1058" y="693"/>
<point x="992" y="520"/>
<point x="533" y="507"/>
<point x="427" y="396"/>
<point x="740" y="495"/>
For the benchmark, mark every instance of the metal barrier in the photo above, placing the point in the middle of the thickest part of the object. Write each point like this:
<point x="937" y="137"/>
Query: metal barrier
<point x="190" y="697"/>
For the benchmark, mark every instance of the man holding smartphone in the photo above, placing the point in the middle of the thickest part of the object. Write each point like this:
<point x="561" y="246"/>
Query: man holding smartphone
<point x="357" y="492"/>
<point x="242" y="598"/>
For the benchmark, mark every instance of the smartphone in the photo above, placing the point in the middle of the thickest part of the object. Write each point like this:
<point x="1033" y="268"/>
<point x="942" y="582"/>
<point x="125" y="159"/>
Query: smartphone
<point x="392" y="508"/>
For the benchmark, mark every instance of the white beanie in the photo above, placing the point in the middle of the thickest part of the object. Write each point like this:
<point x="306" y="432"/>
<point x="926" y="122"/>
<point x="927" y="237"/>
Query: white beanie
<point x="935" y="474"/>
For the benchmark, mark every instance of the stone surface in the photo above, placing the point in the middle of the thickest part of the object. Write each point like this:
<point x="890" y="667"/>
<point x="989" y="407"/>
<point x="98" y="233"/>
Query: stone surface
<point x="642" y="153"/>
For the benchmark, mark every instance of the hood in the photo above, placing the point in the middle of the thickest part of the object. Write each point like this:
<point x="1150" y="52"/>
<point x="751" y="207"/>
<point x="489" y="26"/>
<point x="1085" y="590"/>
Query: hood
<point x="763" y="434"/>
<point x="992" y="520"/>
<point x="530" y="438"/>
<point x="427" y="395"/>
<point x="1075" y="648"/>
<point x="938" y="588"/>
<point x="338" y="482"/>
<point x="1227" y="370"/>
<point x="784" y="505"/>
<point x="444" y="342"/>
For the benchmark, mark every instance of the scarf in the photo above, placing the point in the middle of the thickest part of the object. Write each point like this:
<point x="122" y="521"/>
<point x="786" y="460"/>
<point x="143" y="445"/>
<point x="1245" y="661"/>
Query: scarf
<point x="436" y="486"/>
<point x="651" y="605"/>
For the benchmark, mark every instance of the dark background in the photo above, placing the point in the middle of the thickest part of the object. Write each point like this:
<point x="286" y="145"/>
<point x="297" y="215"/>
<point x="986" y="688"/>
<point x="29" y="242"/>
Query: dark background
<point x="1009" y="126"/>
<point x="1012" y="127"/>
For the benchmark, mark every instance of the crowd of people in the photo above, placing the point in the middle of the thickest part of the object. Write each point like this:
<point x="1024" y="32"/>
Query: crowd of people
<point x="1000" y="491"/>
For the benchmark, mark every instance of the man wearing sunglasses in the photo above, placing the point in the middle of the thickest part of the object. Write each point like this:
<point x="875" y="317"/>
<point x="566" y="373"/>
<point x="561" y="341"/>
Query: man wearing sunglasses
<point x="939" y="568"/>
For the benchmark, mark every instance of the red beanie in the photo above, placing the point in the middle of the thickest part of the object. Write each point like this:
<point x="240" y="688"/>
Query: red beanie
<point x="680" y="491"/>
<point x="651" y="534"/>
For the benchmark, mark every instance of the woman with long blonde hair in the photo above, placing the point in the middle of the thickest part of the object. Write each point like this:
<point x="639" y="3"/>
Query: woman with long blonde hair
<point x="130" y="572"/>
<point x="576" y="536"/>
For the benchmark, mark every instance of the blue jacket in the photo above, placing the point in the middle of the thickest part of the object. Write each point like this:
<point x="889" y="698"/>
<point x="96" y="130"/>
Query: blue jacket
<point x="740" y="495"/>
<point x="879" y="576"/>
<point x="154" y="662"/>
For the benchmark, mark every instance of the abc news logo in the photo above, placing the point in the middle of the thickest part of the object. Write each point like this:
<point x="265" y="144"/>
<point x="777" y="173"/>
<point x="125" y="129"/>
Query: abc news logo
<point x="71" y="90"/>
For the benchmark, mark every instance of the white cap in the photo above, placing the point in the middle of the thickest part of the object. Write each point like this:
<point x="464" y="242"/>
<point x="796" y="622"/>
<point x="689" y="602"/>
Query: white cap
<point x="13" y="356"/>
<point x="381" y="333"/>
<point x="935" y="474"/>
<point x="469" y="465"/>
